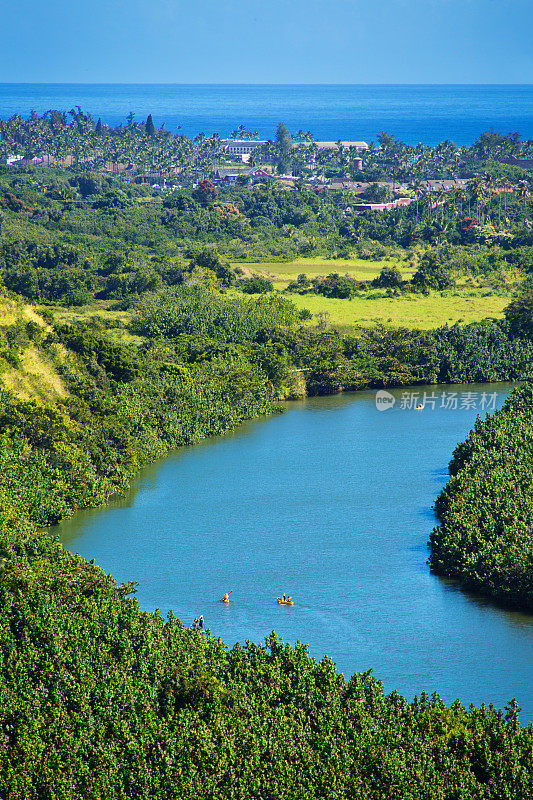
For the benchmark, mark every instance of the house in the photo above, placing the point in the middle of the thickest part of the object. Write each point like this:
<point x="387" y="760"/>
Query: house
<point x="241" y="147"/>
<point x="401" y="201"/>
<point x="334" y="145"/>
<point x="524" y="163"/>
<point x="285" y="178"/>
<point x="153" y="178"/>
<point x="229" y="177"/>
<point x="257" y="172"/>
<point x="225" y="177"/>
<point x="444" y="184"/>
<point x="355" y="187"/>
<point x="245" y="147"/>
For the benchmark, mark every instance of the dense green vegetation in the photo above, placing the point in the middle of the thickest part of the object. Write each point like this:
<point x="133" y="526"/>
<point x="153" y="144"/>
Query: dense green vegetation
<point x="486" y="509"/>
<point x="125" y="407"/>
<point x="70" y="235"/>
<point x="81" y="141"/>
<point x="480" y="353"/>
<point x="102" y="700"/>
<point x="193" y="310"/>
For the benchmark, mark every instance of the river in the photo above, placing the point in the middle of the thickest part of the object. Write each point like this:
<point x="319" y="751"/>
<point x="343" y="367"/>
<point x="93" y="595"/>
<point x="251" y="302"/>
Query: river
<point x="331" y="503"/>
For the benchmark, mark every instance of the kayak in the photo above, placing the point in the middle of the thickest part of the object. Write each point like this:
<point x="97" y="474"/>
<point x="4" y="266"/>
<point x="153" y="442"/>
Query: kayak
<point x="285" y="602"/>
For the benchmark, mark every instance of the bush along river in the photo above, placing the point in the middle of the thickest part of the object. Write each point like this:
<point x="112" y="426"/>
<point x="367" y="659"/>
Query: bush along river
<point x="331" y="503"/>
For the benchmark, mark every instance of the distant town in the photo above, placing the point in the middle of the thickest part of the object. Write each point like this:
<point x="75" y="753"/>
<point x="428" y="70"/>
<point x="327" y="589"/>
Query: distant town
<point x="378" y="176"/>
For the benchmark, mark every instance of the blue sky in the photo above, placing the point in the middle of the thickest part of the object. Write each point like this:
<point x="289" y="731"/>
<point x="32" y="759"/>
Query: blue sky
<point x="268" y="41"/>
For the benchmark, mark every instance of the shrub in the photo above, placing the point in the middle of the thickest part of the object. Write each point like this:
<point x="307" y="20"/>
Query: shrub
<point x="335" y="285"/>
<point x="519" y="313"/>
<point x="194" y="310"/>
<point x="388" y="278"/>
<point x="432" y="273"/>
<point x="255" y="285"/>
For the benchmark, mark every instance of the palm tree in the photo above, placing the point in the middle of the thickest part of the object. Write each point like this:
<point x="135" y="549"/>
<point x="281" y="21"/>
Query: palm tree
<point x="497" y="187"/>
<point x="440" y="201"/>
<point x="418" y="189"/>
<point x="460" y="195"/>
<point x="340" y="156"/>
<point x="506" y="186"/>
<point x="427" y="201"/>
<point x="474" y="187"/>
<point x="523" y="192"/>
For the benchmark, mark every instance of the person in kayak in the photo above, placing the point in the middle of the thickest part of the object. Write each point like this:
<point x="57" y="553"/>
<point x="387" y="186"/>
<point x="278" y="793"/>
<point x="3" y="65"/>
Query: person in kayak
<point x="225" y="599"/>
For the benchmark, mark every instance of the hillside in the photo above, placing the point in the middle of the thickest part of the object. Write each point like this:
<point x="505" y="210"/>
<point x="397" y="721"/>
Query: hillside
<point x="127" y="330"/>
<point x="103" y="700"/>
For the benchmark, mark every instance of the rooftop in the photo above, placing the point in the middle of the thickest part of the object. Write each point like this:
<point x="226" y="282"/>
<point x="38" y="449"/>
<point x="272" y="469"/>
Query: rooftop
<point x="331" y="145"/>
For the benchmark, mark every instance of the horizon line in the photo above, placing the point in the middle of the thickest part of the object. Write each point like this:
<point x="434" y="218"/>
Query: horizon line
<point x="231" y="83"/>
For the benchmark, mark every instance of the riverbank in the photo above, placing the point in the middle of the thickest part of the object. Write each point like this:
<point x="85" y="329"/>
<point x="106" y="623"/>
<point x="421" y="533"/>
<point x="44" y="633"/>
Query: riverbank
<point x="170" y="697"/>
<point x="330" y="502"/>
<point x="485" y="510"/>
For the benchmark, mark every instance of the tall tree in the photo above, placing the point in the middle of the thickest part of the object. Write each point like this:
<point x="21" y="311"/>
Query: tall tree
<point x="284" y="145"/>
<point x="150" y="127"/>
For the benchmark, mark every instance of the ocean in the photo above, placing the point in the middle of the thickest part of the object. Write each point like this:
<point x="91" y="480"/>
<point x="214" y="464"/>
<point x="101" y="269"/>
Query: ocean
<point x="413" y="113"/>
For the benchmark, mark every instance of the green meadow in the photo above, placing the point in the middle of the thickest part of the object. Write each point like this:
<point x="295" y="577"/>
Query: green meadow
<point x="280" y="273"/>
<point x="412" y="311"/>
<point x="464" y="304"/>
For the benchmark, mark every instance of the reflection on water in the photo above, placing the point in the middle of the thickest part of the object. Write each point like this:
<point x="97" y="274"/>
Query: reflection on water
<point x="146" y="480"/>
<point x="511" y="616"/>
<point x="331" y="503"/>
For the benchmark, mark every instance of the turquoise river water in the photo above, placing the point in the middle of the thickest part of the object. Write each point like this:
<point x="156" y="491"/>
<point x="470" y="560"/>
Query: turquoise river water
<point x="331" y="503"/>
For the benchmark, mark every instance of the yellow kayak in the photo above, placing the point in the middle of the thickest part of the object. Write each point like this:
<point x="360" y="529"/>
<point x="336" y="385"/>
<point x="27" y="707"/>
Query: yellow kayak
<point x="285" y="602"/>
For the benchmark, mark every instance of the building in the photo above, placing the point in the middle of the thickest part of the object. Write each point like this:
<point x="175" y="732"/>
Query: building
<point x="401" y="201"/>
<point x="524" y="163"/>
<point x="241" y="147"/>
<point x="334" y="145"/>
<point x="245" y="147"/>
<point x="229" y="177"/>
<point x="154" y="178"/>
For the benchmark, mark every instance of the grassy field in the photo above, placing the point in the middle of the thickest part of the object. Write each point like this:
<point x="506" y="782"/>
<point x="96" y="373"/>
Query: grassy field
<point x="409" y="311"/>
<point x="414" y="311"/>
<point x="94" y="312"/>
<point x="280" y="273"/>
